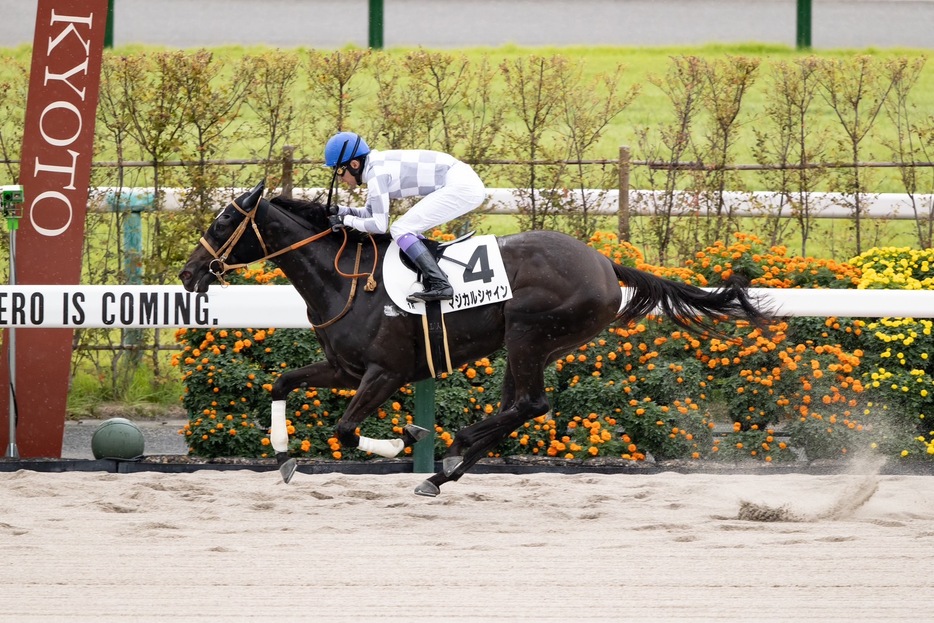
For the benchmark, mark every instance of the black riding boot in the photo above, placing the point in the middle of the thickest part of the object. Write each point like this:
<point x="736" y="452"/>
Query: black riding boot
<point x="437" y="287"/>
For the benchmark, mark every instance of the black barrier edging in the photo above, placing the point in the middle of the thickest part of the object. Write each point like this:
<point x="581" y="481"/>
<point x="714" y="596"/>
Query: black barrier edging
<point x="57" y="466"/>
<point x="511" y="465"/>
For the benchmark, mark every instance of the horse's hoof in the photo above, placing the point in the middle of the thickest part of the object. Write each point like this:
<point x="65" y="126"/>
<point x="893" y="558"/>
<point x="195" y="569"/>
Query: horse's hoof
<point x="287" y="469"/>
<point x="412" y="434"/>
<point x="451" y="463"/>
<point x="427" y="489"/>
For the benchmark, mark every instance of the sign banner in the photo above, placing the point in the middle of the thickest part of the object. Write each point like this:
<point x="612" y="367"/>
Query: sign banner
<point x="58" y="138"/>
<point x="123" y="307"/>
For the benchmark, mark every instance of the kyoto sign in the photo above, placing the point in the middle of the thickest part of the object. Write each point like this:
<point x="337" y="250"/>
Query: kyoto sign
<point x="58" y="138"/>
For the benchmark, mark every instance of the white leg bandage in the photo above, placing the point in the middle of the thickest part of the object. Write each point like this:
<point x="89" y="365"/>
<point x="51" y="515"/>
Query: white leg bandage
<point x="279" y="435"/>
<point x="382" y="447"/>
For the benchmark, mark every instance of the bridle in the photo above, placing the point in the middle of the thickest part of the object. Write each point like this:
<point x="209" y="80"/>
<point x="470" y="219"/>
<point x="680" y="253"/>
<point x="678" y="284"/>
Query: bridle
<point x="219" y="266"/>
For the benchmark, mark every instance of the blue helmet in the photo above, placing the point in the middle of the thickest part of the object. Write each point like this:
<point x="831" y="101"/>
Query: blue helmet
<point x="344" y="147"/>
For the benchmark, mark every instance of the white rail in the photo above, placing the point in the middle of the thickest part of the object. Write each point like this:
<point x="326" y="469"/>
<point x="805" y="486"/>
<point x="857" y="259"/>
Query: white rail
<point x="116" y="307"/>
<point x="503" y="201"/>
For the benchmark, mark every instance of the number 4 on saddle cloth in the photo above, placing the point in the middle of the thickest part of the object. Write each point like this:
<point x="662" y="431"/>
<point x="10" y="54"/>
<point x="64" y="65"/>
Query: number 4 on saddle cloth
<point x="475" y="270"/>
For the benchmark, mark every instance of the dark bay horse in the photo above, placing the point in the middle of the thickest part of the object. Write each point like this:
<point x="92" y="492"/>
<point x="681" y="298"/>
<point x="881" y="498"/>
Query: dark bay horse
<point x="564" y="293"/>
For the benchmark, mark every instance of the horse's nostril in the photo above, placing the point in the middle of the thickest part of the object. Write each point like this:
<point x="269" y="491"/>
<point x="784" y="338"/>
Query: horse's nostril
<point x="184" y="275"/>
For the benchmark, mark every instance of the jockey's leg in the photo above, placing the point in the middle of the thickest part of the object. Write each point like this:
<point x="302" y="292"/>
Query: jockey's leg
<point x="463" y="191"/>
<point x="437" y="286"/>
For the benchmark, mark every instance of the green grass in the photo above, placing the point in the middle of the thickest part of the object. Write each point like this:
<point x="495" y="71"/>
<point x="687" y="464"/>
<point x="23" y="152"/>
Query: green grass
<point x="650" y="109"/>
<point x="144" y="395"/>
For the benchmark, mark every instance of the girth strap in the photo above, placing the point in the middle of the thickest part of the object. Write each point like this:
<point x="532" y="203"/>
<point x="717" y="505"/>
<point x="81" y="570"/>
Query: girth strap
<point x="436" y="340"/>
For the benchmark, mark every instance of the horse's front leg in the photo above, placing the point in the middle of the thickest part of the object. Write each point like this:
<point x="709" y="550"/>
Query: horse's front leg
<point x="318" y="374"/>
<point x="373" y="389"/>
<point x="376" y="386"/>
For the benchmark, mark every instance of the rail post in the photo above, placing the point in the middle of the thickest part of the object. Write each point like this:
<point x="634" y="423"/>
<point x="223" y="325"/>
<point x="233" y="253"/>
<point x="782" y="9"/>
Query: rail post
<point x="288" y="166"/>
<point x="132" y="207"/>
<point x="423" y="453"/>
<point x="623" y="211"/>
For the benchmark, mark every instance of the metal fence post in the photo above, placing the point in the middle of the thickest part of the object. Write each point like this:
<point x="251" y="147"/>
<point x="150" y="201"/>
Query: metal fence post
<point x="109" y="27"/>
<point x="423" y="454"/>
<point x="133" y="270"/>
<point x="803" y="39"/>
<point x="132" y="207"/>
<point x="623" y="212"/>
<point x="376" y="24"/>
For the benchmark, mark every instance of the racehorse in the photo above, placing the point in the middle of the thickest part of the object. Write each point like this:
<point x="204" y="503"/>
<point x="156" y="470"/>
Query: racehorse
<point x="563" y="294"/>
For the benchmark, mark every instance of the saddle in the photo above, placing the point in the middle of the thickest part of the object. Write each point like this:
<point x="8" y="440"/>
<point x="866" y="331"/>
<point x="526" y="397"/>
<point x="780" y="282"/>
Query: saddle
<point x="436" y="249"/>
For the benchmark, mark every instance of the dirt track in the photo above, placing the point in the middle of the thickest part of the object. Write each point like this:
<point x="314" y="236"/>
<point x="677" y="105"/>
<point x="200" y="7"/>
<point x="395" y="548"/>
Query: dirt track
<point x="241" y="546"/>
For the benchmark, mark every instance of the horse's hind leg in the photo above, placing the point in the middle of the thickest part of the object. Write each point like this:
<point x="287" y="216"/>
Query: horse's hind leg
<point x="463" y="439"/>
<point x="473" y="442"/>
<point x="483" y="439"/>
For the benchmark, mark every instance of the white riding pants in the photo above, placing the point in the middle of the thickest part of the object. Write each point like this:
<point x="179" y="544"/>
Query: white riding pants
<point x="462" y="192"/>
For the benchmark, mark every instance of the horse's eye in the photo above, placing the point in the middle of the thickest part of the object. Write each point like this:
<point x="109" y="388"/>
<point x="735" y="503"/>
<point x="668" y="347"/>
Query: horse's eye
<point x="223" y="221"/>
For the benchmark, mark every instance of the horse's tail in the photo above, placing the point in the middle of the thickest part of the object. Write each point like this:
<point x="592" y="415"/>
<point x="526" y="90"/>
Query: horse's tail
<point x="688" y="306"/>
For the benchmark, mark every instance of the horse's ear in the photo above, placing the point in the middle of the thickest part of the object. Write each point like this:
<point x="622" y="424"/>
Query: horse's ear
<point x="252" y="200"/>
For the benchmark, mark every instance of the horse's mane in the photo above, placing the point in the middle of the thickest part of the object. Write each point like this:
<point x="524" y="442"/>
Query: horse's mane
<point x="315" y="212"/>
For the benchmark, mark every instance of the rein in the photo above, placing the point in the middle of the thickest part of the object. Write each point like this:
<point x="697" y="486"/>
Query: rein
<point x="219" y="266"/>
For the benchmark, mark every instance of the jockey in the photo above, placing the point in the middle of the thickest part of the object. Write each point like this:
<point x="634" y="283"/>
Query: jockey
<point x="449" y="188"/>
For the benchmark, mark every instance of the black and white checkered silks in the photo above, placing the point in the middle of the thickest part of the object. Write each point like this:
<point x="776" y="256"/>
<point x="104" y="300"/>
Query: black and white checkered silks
<point x="449" y="187"/>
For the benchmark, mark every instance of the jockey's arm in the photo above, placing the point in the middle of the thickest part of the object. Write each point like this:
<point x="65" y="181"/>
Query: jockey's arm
<point x="374" y="216"/>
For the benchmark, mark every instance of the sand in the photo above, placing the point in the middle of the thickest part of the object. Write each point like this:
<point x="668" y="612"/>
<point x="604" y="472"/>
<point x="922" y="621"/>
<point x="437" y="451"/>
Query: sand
<point x="242" y="546"/>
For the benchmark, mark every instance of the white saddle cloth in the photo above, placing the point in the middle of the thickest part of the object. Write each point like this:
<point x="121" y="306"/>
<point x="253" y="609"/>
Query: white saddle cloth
<point x="474" y="268"/>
